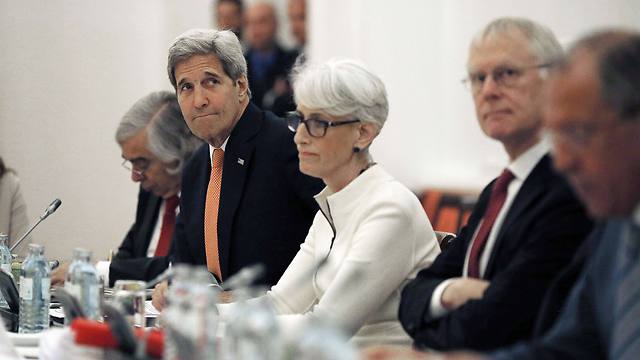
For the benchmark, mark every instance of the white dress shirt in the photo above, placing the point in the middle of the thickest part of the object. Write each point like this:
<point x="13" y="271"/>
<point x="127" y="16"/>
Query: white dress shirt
<point x="103" y="266"/>
<point x="211" y="148"/>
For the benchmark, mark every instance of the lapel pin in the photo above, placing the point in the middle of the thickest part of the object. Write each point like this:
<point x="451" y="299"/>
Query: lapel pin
<point x="240" y="161"/>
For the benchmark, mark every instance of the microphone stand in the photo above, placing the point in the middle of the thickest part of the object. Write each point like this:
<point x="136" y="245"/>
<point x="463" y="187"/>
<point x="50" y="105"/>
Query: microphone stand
<point x="50" y="210"/>
<point x="25" y="235"/>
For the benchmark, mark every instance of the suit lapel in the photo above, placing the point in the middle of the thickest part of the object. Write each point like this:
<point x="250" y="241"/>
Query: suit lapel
<point x="200" y="185"/>
<point x="237" y="161"/>
<point x="534" y="186"/>
<point x="476" y="215"/>
<point x="143" y="237"/>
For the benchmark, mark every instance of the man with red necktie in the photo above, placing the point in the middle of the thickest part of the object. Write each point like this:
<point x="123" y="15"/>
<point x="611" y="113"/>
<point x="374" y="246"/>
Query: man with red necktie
<point x="485" y="290"/>
<point x="156" y="144"/>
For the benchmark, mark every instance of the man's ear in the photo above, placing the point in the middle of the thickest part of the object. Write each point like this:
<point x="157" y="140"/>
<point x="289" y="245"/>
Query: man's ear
<point x="243" y="87"/>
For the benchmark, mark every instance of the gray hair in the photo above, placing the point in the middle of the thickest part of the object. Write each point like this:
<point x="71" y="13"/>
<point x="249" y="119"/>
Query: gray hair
<point x="168" y="136"/>
<point x="223" y="44"/>
<point x="341" y="87"/>
<point x="617" y="53"/>
<point x="542" y="41"/>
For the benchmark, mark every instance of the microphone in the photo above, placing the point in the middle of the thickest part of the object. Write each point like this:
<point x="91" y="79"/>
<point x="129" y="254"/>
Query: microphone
<point x="55" y="204"/>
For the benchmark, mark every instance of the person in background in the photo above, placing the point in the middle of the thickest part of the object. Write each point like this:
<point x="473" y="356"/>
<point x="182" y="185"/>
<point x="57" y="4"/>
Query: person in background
<point x="228" y="16"/>
<point x="13" y="210"/>
<point x="371" y="232"/>
<point x="297" y="13"/>
<point x="268" y="63"/>
<point x="156" y="144"/>
<point x="244" y="200"/>
<point x="486" y="289"/>
<point x="593" y="116"/>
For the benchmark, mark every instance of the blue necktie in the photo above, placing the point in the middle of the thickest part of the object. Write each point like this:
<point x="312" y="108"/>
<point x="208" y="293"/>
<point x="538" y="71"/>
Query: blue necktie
<point x="625" y="343"/>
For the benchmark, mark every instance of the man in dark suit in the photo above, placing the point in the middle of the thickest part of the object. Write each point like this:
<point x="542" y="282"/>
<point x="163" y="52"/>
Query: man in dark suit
<point x="156" y="144"/>
<point x="268" y="63"/>
<point x="593" y="116"/>
<point x="486" y="289"/>
<point x="244" y="200"/>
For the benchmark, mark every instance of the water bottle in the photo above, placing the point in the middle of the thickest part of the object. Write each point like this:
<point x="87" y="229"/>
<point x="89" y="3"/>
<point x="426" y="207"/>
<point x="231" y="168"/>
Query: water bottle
<point x="175" y="345"/>
<point x="5" y="263"/>
<point x="321" y="339"/>
<point x="190" y="318"/>
<point x="252" y="331"/>
<point x="82" y="281"/>
<point x="35" y="281"/>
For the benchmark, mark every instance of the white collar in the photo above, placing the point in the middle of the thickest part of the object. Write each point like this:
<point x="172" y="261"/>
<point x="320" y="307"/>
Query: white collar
<point x="635" y="217"/>
<point x="522" y="166"/>
<point x="211" y="148"/>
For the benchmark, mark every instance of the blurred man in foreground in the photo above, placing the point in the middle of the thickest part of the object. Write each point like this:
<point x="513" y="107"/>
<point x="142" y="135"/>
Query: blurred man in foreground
<point x="593" y="116"/>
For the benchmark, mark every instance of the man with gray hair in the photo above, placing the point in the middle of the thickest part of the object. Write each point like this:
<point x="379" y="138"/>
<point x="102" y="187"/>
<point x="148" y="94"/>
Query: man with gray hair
<point x="485" y="291"/>
<point x="593" y="116"/>
<point x="156" y="144"/>
<point x="244" y="200"/>
<point x="592" y="113"/>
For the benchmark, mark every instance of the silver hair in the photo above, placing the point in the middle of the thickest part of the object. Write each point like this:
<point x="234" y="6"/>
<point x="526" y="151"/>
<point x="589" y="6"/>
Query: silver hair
<point x="544" y="44"/>
<point x="168" y="136"/>
<point x="223" y="44"/>
<point x="341" y="87"/>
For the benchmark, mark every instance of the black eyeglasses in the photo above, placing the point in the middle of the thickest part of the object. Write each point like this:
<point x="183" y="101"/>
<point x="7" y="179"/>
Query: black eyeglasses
<point x="316" y="127"/>
<point x="505" y="76"/>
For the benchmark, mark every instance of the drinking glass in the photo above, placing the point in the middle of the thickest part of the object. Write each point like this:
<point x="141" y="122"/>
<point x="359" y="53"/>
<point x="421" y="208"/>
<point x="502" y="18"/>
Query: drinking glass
<point x="129" y="296"/>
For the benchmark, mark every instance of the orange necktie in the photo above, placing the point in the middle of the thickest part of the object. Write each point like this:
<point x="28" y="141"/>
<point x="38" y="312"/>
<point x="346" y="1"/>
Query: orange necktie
<point x="211" y="214"/>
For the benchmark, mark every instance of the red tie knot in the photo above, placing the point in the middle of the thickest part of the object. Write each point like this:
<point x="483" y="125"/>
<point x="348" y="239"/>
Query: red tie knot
<point x="503" y="181"/>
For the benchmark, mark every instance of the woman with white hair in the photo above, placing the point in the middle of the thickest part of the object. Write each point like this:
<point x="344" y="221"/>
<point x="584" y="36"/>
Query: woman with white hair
<point x="371" y="235"/>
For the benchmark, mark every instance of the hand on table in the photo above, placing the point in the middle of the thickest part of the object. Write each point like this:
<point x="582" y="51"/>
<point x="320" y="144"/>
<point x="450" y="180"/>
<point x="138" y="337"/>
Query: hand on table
<point x="225" y="297"/>
<point x="158" y="299"/>
<point x="387" y="352"/>
<point x="461" y="290"/>
<point x="59" y="274"/>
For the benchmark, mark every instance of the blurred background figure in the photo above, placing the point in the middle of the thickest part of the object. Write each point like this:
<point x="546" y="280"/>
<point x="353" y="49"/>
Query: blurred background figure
<point x="297" y="13"/>
<point x="156" y="144"/>
<point x="228" y="16"/>
<point x="13" y="210"/>
<point x="268" y="62"/>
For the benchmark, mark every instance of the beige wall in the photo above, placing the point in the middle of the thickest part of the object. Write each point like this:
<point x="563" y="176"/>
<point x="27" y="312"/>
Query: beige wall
<point x="419" y="48"/>
<point x="70" y="69"/>
<point x="74" y="68"/>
